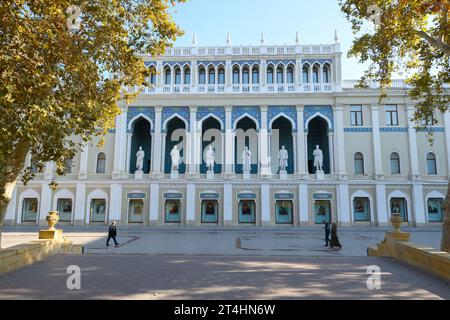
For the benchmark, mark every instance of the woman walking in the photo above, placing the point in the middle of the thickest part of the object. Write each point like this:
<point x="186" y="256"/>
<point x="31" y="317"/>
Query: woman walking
<point x="334" y="242"/>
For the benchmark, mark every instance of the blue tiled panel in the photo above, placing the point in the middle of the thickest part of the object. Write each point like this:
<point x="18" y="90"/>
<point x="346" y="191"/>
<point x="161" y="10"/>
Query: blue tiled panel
<point x="146" y="111"/>
<point x="219" y="112"/>
<point x="393" y="129"/>
<point x="183" y="112"/>
<point x="358" y="129"/>
<point x="326" y="111"/>
<point x="289" y="111"/>
<point x="253" y="111"/>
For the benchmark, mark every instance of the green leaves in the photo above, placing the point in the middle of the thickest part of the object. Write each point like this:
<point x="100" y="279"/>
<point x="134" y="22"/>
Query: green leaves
<point x="49" y="71"/>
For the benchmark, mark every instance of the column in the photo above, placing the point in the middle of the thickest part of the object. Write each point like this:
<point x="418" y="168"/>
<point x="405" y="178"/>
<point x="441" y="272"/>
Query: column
<point x="420" y="211"/>
<point x="115" y="203"/>
<point x="229" y="143"/>
<point x="301" y="164"/>
<point x="227" y="204"/>
<point x="192" y="143"/>
<point x="376" y="141"/>
<point x="412" y="139"/>
<point x="447" y="139"/>
<point x="11" y="209"/>
<point x="340" y="142"/>
<point x="46" y="202"/>
<point x="190" y="204"/>
<point x="343" y="204"/>
<point x="157" y="143"/>
<point x="263" y="147"/>
<point x="331" y="152"/>
<point x="80" y="204"/>
<point x="265" y="204"/>
<point x="154" y="203"/>
<point x="381" y="210"/>
<point x="127" y="147"/>
<point x="303" y="203"/>
<point x="82" y="173"/>
<point x="120" y="150"/>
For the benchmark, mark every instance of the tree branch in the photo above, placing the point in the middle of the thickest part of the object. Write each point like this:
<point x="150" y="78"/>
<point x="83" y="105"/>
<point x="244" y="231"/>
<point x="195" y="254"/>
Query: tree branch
<point x="434" y="42"/>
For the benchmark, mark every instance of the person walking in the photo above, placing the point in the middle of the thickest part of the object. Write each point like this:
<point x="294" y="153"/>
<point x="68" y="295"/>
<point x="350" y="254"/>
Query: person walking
<point x="112" y="234"/>
<point x="334" y="242"/>
<point x="327" y="232"/>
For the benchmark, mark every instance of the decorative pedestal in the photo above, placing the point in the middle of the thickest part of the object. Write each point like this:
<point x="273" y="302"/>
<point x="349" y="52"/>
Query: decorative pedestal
<point x="246" y="175"/>
<point x="139" y="175"/>
<point x="283" y="175"/>
<point x="174" y="174"/>
<point x="210" y="175"/>
<point x="51" y="232"/>
<point x="320" y="175"/>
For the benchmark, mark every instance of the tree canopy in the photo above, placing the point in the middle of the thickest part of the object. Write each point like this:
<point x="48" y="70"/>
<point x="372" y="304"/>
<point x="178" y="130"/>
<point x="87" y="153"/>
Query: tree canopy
<point x="63" y="65"/>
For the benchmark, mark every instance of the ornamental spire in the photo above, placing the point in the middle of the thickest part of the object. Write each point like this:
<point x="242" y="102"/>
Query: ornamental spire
<point x="194" y="39"/>
<point x="297" y="38"/>
<point x="263" y="40"/>
<point x="229" y="38"/>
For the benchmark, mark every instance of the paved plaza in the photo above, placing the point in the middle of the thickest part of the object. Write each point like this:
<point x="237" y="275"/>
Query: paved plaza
<point x="214" y="264"/>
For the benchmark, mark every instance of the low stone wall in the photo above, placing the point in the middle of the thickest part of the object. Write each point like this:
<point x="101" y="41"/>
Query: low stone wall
<point x="27" y="253"/>
<point x="397" y="245"/>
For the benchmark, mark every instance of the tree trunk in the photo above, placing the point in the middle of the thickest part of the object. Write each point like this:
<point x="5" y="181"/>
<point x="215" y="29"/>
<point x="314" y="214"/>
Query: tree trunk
<point x="8" y="178"/>
<point x="445" y="243"/>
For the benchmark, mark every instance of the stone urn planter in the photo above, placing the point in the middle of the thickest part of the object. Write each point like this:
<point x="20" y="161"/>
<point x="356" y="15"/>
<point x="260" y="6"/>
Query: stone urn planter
<point x="396" y="221"/>
<point x="52" y="220"/>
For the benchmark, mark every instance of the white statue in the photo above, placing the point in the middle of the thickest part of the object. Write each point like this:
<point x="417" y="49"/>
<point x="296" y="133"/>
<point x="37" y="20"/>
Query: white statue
<point x="246" y="160"/>
<point x="140" y="159"/>
<point x="210" y="158"/>
<point x="175" y="155"/>
<point x="318" y="158"/>
<point x="283" y="158"/>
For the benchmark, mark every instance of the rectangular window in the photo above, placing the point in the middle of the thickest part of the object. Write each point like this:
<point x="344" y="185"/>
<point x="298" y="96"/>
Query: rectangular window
<point x="29" y="209"/>
<point x="356" y="116"/>
<point x="435" y="206"/>
<point x="391" y="115"/>
<point x="98" y="210"/>
<point x="64" y="208"/>
<point x="136" y="211"/>
<point x="361" y="209"/>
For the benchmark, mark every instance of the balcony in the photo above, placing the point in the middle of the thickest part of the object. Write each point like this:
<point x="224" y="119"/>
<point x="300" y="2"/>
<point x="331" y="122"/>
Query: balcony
<point x="240" y="88"/>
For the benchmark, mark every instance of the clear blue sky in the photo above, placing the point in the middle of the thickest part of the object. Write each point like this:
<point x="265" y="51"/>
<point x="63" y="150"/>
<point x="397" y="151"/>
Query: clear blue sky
<point x="315" y="20"/>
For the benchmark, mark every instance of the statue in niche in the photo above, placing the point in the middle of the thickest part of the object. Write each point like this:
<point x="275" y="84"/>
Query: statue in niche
<point x="246" y="160"/>
<point x="210" y="158"/>
<point x="140" y="159"/>
<point x="318" y="159"/>
<point x="283" y="159"/>
<point x="175" y="156"/>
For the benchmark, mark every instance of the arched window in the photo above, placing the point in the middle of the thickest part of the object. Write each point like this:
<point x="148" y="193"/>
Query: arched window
<point x="187" y="75"/>
<point x="177" y="75"/>
<point x="290" y="74"/>
<point x="326" y="74"/>
<point x="395" y="163"/>
<point x="221" y="75"/>
<point x="211" y="75"/>
<point x="270" y="75"/>
<point x="235" y="75"/>
<point x="101" y="163"/>
<point x="315" y="74"/>
<point x="152" y="77"/>
<point x="245" y="75"/>
<point x="359" y="163"/>
<point x="201" y="75"/>
<point x="255" y="75"/>
<point x="431" y="163"/>
<point x="280" y="76"/>
<point x="168" y="76"/>
<point x="305" y="74"/>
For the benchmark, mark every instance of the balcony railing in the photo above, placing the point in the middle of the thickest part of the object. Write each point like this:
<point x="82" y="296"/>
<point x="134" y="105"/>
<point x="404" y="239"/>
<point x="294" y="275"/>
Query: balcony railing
<point x="239" y="88"/>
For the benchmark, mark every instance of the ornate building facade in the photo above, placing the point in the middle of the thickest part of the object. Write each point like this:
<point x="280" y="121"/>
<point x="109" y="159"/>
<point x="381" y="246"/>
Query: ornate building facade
<point x="375" y="159"/>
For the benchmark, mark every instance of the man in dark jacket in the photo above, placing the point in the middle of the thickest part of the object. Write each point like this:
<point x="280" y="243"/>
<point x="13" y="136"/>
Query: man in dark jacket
<point x="112" y="233"/>
<point x="327" y="232"/>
